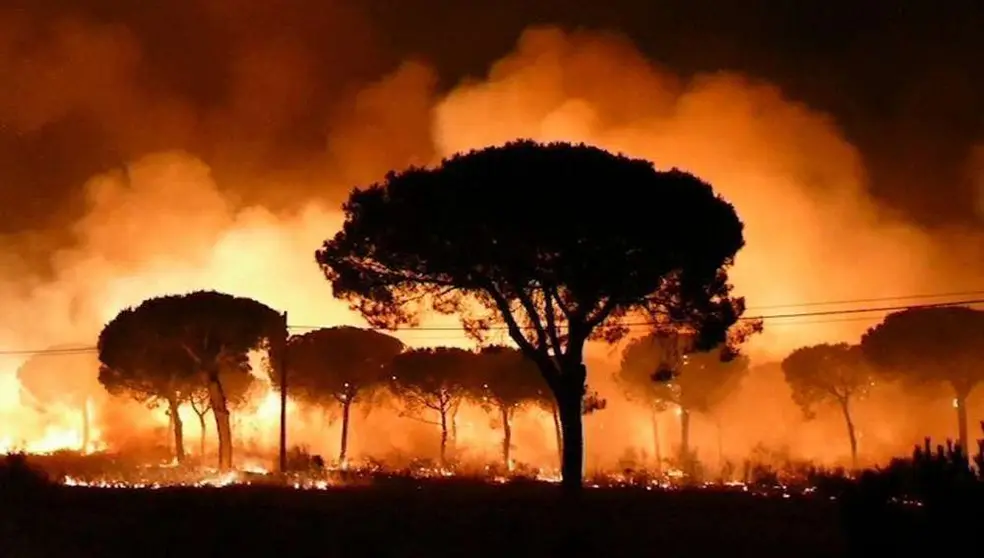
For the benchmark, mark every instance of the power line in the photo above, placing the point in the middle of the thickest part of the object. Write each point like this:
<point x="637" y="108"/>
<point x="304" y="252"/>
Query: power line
<point x="853" y="313"/>
<point x="869" y="319"/>
<point x="869" y="300"/>
<point x="866" y="310"/>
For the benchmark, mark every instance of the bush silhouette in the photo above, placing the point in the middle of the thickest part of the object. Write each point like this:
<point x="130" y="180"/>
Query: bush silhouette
<point x="929" y="501"/>
<point x="20" y="482"/>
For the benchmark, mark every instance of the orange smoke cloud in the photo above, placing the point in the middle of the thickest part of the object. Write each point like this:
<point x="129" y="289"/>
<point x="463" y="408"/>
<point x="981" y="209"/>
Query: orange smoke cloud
<point x="797" y="184"/>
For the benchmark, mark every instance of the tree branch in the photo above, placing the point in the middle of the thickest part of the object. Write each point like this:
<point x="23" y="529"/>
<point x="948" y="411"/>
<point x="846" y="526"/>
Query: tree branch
<point x="593" y="320"/>
<point x="515" y="331"/>
<point x="551" y="319"/>
<point x="418" y="419"/>
<point x="533" y="316"/>
<point x="191" y="354"/>
<point x="552" y="290"/>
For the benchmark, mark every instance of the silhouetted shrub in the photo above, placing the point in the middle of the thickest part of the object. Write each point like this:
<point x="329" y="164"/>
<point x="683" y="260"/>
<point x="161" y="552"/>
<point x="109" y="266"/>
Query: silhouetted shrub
<point x="689" y="466"/>
<point x="19" y="478"/>
<point x="300" y="460"/>
<point x="928" y="502"/>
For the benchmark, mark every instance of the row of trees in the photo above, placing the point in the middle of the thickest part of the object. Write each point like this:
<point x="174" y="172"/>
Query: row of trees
<point x="190" y="348"/>
<point x="194" y="350"/>
<point x="917" y="347"/>
<point x="341" y="366"/>
<point x="656" y="374"/>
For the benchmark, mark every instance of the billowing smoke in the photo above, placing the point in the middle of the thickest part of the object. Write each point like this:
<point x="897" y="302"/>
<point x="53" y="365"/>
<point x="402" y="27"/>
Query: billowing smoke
<point x="231" y="195"/>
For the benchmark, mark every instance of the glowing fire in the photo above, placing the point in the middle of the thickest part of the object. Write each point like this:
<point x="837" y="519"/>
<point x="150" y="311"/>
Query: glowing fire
<point x="50" y="441"/>
<point x="671" y="479"/>
<point x="55" y="436"/>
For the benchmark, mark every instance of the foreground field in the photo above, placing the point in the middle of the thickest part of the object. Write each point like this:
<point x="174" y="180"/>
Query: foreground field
<point x="414" y="519"/>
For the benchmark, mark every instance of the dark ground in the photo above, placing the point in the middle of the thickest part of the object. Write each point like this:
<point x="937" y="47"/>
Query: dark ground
<point x="413" y="520"/>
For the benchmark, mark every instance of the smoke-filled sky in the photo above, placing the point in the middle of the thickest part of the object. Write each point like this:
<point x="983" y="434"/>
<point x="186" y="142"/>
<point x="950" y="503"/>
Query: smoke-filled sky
<point x="132" y="132"/>
<point x="150" y="147"/>
<point x="849" y="138"/>
<point x="269" y="88"/>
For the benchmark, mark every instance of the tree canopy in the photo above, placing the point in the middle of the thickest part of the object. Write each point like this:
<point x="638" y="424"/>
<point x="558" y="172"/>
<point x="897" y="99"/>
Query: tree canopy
<point x="176" y="344"/>
<point x="435" y="379"/>
<point x="558" y="243"/>
<point x="642" y="360"/>
<point x="940" y="344"/>
<point x="654" y="372"/>
<point x="335" y="365"/>
<point x="134" y="364"/>
<point x="824" y="374"/>
<point x="931" y="345"/>
<point x="829" y="374"/>
<point x="338" y="366"/>
<point x="508" y="379"/>
<point x="663" y="369"/>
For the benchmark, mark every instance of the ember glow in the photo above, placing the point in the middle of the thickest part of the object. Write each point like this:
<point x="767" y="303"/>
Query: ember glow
<point x="165" y="223"/>
<point x="166" y="476"/>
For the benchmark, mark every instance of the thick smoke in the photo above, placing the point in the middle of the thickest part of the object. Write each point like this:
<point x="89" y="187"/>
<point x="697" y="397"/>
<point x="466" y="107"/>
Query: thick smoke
<point x="228" y="198"/>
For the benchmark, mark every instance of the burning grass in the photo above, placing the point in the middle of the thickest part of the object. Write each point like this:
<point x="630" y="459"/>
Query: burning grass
<point x="928" y="476"/>
<point x="367" y="509"/>
<point x="103" y="470"/>
<point x="779" y="509"/>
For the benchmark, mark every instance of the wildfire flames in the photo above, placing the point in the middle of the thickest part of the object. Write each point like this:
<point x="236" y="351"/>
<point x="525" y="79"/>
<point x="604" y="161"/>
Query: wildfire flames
<point x="50" y="441"/>
<point x="151" y="478"/>
<point x="57" y="435"/>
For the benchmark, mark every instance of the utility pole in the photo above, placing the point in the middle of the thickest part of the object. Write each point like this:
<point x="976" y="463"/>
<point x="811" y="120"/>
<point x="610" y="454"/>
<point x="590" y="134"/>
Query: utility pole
<point x="283" y="400"/>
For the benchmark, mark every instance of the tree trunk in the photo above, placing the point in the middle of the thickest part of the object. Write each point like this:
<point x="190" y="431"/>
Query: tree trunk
<point x="657" y="451"/>
<point x="851" y="433"/>
<point x="178" y="428"/>
<point x="961" y="404"/>
<point x="444" y="437"/>
<point x="86" y="428"/>
<point x="202" y="430"/>
<point x="506" y="436"/>
<point x="570" y="398"/>
<point x="572" y="441"/>
<point x="170" y="432"/>
<point x="223" y="426"/>
<point x="343" y="451"/>
<point x="684" y="435"/>
<point x="559" y="433"/>
<point x="454" y="427"/>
